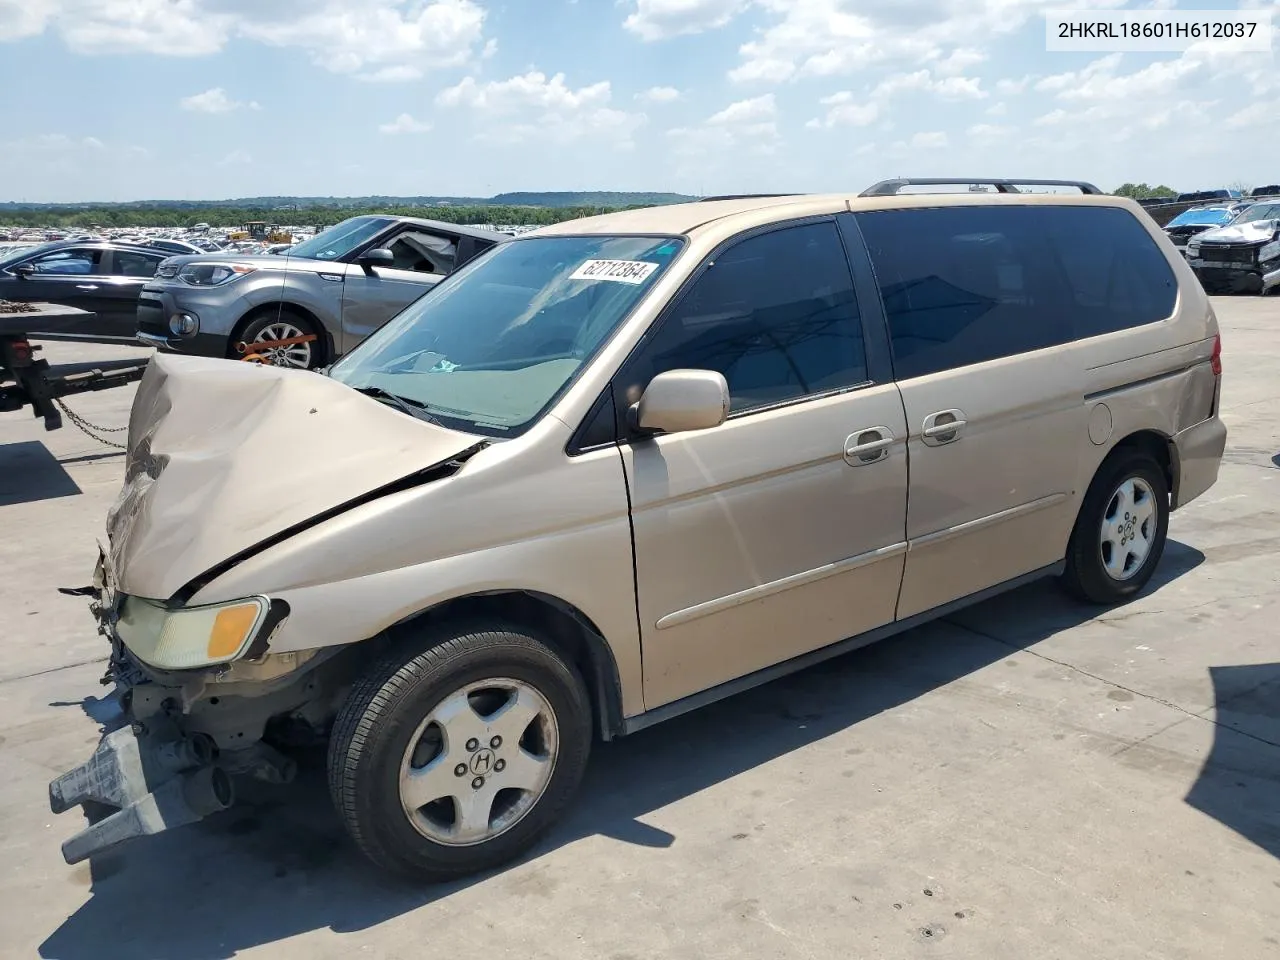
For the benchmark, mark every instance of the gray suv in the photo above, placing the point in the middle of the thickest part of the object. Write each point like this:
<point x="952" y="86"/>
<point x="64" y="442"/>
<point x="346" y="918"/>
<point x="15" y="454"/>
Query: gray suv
<point x="340" y="286"/>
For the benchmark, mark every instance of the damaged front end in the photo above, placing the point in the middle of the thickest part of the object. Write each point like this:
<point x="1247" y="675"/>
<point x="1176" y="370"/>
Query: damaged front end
<point x="172" y="754"/>
<point x="1241" y="258"/>
<point x="225" y="462"/>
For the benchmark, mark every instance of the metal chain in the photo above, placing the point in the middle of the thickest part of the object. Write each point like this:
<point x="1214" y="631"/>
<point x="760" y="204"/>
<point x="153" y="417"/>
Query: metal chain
<point x="88" y="428"/>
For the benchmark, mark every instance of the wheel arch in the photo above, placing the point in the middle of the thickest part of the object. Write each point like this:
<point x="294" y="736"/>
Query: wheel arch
<point x="266" y="309"/>
<point x="1159" y="446"/>
<point x="559" y="623"/>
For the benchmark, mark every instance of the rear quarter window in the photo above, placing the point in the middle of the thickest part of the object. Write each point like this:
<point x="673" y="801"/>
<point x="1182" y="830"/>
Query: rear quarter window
<point x="964" y="285"/>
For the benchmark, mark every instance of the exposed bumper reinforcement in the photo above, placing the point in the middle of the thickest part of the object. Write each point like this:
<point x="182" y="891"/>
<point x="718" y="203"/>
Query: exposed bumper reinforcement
<point x="145" y="787"/>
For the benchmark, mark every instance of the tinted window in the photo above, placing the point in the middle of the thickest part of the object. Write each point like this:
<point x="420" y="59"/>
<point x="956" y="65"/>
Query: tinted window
<point x="775" y="314"/>
<point x="963" y="285"/>
<point x="131" y="264"/>
<point x="69" y="261"/>
<point x="1116" y="277"/>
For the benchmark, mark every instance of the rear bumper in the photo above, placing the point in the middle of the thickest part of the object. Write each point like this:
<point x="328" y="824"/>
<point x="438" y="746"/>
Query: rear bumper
<point x="1200" y="450"/>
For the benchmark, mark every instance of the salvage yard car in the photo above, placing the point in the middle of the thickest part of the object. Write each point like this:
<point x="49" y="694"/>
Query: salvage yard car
<point x="1197" y="220"/>
<point x="616" y="469"/>
<point x="336" y="287"/>
<point x="1243" y="257"/>
<point x="101" y="277"/>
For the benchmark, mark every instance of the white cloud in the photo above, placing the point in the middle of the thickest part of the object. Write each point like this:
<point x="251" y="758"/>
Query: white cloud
<point x="743" y="125"/>
<point x="215" y="100"/>
<point x="532" y="90"/>
<point x="373" y="39"/>
<point x="958" y="61"/>
<point x="659" y="95"/>
<point x="21" y="18"/>
<point x="352" y="38"/>
<point x="959" y="88"/>
<point x="236" y="158"/>
<point x="844" y="109"/>
<point x="997" y="109"/>
<point x="661" y="19"/>
<point x="817" y="38"/>
<point x="1255" y="114"/>
<point x="405" y="123"/>
<point x="1009" y="86"/>
<point x="859" y="110"/>
<point x="755" y="110"/>
<point x="532" y="105"/>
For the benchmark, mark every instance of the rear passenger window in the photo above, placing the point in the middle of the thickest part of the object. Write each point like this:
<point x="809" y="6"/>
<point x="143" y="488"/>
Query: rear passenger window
<point x="1116" y="275"/>
<point x="776" y="314"/>
<point x="964" y="285"/>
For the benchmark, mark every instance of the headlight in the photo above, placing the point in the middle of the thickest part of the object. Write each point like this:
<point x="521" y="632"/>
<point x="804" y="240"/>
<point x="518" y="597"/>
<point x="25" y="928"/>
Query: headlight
<point x="1193" y="248"/>
<point x="192" y="636"/>
<point x="1269" y="252"/>
<point x="213" y="274"/>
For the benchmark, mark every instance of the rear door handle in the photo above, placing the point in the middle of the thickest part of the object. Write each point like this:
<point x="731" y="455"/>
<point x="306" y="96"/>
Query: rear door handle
<point x="942" y="427"/>
<point x="868" y="445"/>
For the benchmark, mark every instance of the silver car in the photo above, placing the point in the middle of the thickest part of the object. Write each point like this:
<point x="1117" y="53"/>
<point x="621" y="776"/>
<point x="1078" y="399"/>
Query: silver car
<point x="325" y="296"/>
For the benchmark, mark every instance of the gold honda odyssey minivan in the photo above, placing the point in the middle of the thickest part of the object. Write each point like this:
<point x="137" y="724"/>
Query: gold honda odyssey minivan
<point x="617" y="468"/>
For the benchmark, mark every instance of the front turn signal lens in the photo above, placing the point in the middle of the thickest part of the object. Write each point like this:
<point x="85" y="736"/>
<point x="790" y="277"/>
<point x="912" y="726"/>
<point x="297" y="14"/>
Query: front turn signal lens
<point x="190" y="637"/>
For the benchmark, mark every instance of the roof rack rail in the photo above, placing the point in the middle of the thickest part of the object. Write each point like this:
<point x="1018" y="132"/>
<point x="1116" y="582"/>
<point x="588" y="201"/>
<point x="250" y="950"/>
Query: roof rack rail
<point x="748" y="196"/>
<point x="889" y="188"/>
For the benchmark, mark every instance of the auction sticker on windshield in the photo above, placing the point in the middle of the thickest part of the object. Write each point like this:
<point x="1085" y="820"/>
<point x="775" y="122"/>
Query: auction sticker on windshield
<point x="619" y="271"/>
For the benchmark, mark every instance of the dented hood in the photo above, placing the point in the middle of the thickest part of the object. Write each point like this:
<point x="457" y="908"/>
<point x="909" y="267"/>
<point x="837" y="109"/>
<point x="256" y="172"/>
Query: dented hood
<point x="1252" y="231"/>
<point x="223" y="456"/>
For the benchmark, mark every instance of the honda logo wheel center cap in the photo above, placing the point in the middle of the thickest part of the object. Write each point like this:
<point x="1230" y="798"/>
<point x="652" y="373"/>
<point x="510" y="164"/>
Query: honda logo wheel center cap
<point x="482" y="762"/>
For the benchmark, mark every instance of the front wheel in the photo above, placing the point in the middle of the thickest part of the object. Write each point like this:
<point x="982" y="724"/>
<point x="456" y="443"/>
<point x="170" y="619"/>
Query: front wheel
<point x="458" y="759"/>
<point x="1120" y="533"/>
<point x="279" y="325"/>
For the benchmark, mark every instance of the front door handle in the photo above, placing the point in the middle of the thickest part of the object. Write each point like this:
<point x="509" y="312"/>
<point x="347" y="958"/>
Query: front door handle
<point x="942" y="427"/>
<point x="86" y="286"/>
<point x="868" y="445"/>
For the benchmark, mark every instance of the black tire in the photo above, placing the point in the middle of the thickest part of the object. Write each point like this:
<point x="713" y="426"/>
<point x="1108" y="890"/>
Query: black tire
<point x="382" y="713"/>
<point x="1086" y="576"/>
<point x="283" y="316"/>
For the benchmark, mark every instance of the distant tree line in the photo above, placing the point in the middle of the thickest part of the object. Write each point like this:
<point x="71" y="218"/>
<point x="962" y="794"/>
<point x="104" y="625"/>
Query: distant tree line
<point x="1142" y="191"/>
<point x="114" y="217"/>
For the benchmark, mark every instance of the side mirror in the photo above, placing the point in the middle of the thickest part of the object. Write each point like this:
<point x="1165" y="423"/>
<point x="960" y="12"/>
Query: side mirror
<point x="25" y="271"/>
<point x="378" y="257"/>
<point x="681" y="400"/>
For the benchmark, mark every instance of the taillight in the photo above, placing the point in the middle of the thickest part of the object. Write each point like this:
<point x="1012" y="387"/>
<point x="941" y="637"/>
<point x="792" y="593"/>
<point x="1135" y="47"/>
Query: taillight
<point x="1215" y="358"/>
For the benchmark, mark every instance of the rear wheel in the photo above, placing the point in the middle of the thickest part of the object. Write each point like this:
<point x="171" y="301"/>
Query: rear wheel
<point x="284" y="324"/>
<point x="1120" y="533"/>
<point x="458" y="758"/>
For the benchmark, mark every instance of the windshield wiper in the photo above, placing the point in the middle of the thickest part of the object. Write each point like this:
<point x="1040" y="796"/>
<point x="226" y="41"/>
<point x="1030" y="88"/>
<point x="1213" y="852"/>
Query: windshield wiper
<point x="412" y="407"/>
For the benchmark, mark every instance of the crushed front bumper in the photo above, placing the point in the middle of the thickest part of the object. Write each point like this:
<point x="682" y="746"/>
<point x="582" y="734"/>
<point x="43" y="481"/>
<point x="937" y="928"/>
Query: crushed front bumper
<point x="138" y="784"/>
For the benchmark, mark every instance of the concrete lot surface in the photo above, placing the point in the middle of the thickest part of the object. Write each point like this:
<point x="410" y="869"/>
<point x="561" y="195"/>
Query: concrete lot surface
<point x="1028" y="779"/>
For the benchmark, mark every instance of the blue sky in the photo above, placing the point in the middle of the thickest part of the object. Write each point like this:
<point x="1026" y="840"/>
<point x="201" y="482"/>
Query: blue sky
<point x="209" y="99"/>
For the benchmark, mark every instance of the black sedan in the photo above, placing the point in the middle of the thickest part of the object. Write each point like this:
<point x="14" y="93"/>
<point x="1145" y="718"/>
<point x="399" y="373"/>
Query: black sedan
<point x="101" y="277"/>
